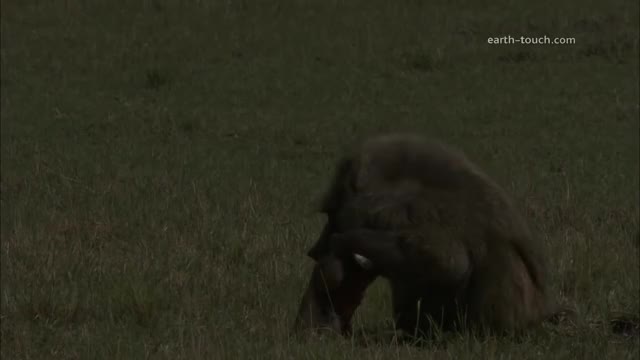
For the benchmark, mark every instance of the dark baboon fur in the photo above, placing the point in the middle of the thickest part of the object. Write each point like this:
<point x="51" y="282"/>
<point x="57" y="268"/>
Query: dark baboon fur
<point x="455" y="250"/>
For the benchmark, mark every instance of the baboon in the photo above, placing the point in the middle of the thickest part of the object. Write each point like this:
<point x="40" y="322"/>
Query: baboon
<point x="456" y="252"/>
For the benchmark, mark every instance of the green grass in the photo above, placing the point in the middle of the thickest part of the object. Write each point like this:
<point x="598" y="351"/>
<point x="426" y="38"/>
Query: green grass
<point x="161" y="162"/>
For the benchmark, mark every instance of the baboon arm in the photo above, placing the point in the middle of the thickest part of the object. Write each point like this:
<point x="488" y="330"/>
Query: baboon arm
<point x="432" y="255"/>
<point x="380" y="247"/>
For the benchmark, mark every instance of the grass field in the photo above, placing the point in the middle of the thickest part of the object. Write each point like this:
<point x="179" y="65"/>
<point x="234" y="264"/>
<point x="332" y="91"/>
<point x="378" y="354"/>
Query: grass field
<point x="162" y="160"/>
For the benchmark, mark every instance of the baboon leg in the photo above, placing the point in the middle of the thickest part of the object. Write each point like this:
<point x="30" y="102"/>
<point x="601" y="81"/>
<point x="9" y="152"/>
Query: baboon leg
<point x="404" y="300"/>
<point x="423" y="310"/>
<point x="503" y="296"/>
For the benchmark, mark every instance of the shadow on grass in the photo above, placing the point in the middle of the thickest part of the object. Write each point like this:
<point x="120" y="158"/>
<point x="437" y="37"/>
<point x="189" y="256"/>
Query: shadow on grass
<point x="621" y="326"/>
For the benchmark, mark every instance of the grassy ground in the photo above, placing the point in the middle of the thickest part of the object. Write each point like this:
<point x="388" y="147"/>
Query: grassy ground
<point x="161" y="159"/>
